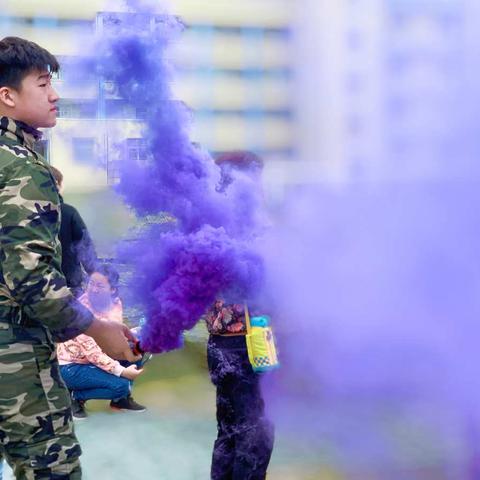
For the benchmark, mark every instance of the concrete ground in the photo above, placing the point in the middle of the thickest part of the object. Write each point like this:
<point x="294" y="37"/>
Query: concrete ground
<point x="173" y="439"/>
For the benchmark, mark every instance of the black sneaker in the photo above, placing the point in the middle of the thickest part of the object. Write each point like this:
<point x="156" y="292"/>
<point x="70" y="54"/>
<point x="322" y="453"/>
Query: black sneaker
<point x="78" y="409"/>
<point x="127" y="403"/>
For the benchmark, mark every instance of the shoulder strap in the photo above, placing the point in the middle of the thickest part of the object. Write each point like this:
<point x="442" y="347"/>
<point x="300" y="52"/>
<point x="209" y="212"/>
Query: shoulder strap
<point x="247" y="320"/>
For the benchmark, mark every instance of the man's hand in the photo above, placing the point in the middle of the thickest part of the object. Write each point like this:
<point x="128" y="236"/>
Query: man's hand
<point x="112" y="337"/>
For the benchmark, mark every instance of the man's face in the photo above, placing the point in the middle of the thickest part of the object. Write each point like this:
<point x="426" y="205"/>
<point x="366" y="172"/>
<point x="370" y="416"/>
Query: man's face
<point x="35" y="102"/>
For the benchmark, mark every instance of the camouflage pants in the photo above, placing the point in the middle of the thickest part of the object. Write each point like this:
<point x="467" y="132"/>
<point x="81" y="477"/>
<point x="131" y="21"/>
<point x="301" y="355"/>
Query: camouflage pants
<point x="36" y="428"/>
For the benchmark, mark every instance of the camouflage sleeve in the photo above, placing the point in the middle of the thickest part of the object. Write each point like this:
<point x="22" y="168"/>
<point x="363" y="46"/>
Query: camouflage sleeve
<point x="29" y="223"/>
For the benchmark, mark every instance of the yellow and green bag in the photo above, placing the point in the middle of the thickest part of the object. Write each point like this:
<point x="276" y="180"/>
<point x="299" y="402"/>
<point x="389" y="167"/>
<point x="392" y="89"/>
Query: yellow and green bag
<point x="262" y="352"/>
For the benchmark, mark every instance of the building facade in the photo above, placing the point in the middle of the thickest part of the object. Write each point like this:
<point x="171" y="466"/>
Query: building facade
<point x="379" y="87"/>
<point x="232" y="68"/>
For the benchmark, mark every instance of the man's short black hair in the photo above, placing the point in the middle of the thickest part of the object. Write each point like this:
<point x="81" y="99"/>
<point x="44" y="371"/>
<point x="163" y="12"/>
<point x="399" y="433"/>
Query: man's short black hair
<point x="19" y="57"/>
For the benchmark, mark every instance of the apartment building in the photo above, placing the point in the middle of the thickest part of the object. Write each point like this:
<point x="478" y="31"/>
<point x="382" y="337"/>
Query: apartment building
<point x="232" y="68"/>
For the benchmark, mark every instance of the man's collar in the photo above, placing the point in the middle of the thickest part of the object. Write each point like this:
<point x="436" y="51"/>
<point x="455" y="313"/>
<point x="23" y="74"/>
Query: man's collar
<point x="19" y="131"/>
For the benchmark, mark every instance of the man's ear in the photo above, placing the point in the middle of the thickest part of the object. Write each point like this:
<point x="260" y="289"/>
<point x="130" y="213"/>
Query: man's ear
<point x="6" y="97"/>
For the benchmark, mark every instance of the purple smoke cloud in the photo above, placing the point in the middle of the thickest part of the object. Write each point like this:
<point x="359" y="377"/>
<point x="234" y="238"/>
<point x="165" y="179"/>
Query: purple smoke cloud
<point x="377" y="323"/>
<point x="374" y="287"/>
<point x="210" y="249"/>
<point x="377" y="304"/>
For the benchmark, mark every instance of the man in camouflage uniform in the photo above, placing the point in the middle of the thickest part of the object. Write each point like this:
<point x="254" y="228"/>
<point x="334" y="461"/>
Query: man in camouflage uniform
<point x="36" y="307"/>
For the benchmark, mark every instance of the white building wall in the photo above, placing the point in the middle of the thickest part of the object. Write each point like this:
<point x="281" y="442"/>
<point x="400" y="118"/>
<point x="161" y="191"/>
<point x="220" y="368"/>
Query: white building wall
<point x="222" y="41"/>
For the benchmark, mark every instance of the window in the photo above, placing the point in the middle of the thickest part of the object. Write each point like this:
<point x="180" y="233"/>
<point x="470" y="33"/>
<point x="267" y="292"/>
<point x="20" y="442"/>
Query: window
<point x="45" y="22"/>
<point x="399" y="62"/>
<point x="113" y="172"/>
<point x="398" y="106"/>
<point x="119" y="109"/>
<point x="77" y="109"/>
<point x="137" y="150"/>
<point x="141" y="112"/>
<point x="71" y="68"/>
<point x="354" y="124"/>
<point x="83" y="149"/>
<point x="116" y="23"/>
<point x="354" y="39"/>
<point x="67" y="109"/>
<point x="354" y="82"/>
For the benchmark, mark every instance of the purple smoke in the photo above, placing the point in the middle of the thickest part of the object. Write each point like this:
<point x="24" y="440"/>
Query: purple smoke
<point x="377" y="299"/>
<point x="210" y="248"/>
<point x="374" y="285"/>
<point x="379" y="326"/>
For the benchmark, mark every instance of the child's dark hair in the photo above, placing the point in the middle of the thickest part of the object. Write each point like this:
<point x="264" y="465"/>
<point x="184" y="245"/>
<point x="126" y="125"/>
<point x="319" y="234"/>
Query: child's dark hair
<point x="112" y="275"/>
<point x="19" y="57"/>
<point x="241" y="159"/>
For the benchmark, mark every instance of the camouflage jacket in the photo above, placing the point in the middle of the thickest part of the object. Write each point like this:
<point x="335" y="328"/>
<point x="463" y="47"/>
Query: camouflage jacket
<point x="30" y="254"/>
